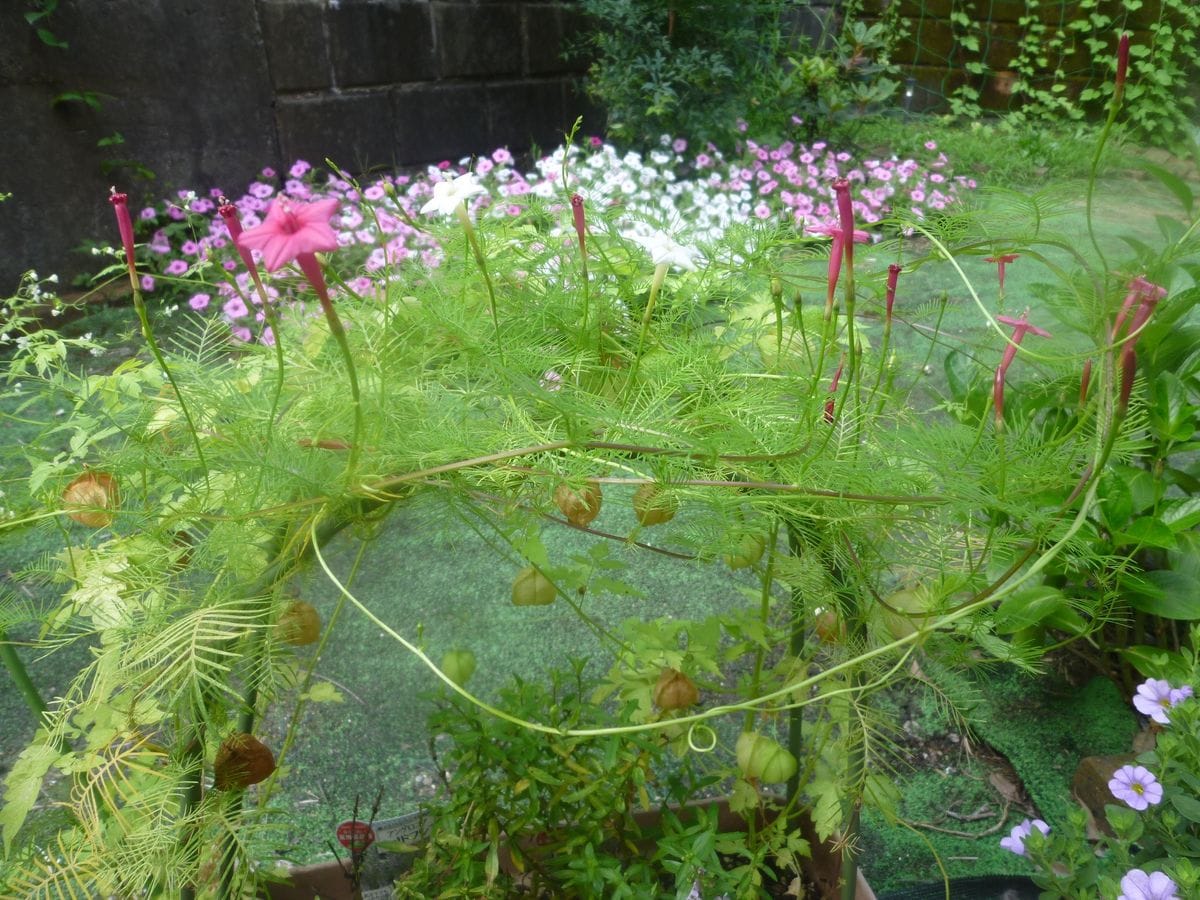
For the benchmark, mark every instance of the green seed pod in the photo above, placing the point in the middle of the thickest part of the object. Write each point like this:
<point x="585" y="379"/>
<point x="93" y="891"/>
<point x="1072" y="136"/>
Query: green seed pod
<point x="652" y="505"/>
<point x="459" y="666"/>
<point x="532" y="588"/>
<point x="749" y="552"/>
<point x="763" y="759"/>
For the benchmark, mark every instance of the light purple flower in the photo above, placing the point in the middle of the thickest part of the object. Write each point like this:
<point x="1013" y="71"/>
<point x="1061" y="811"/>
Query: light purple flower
<point x="148" y="213"/>
<point x="1138" y="885"/>
<point x="1136" y="786"/>
<point x="551" y="381"/>
<point x="1155" y="696"/>
<point x="199" y="301"/>
<point x="235" y="308"/>
<point x="299" y="167"/>
<point x="1015" y="842"/>
<point x="176" y="267"/>
<point x="147" y="283"/>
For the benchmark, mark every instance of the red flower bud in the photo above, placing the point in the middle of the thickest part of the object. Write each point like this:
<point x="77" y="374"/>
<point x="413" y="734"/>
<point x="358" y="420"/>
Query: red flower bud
<point x="1122" y="66"/>
<point x="893" y="277"/>
<point x="1085" y="381"/>
<point x="580" y="224"/>
<point x="120" y="204"/>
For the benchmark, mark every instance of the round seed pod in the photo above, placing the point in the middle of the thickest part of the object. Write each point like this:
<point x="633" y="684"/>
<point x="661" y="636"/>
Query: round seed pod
<point x="242" y="760"/>
<point x="459" y="666"/>
<point x="91" y="498"/>
<point x="532" y="588"/>
<point x="829" y="626"/>
<point x="674" y="690"/>
<point x="763" y="759"/>
<point x="299" y="625"/>
<point x="911" y="607"/>
<point x="750" y="550"/>
<point x="652" y="505"/>
<point x="580" y="507"/>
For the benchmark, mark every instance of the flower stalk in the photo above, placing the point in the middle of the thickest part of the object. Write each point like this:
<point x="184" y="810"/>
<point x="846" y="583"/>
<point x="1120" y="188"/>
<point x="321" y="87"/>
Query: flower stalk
<point x="120" y="205"/>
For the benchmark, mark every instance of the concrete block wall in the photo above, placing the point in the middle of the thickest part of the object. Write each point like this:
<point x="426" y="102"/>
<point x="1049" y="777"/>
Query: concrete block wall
<point x="207" y="92"/>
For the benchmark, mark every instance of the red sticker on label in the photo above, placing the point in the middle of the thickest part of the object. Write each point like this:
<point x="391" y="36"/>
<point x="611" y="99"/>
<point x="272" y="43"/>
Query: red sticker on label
<point x="355" y="836"/>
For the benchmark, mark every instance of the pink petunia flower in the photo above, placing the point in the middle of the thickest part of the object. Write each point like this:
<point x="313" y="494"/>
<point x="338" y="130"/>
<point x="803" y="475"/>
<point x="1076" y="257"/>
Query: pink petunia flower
<point x="199" y="301"/>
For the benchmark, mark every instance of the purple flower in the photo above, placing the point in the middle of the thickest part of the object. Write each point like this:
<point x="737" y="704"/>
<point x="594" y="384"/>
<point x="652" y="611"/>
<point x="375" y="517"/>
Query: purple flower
<point x="1137" y="885"/>
<point x="176" y="267"/>
<point x="1155" y="696"/>
<point x="235" y="308"/>
<point x="1015" y="842"/>
<point x="199" y="301"/>
<point x="299" y="167"/>
<point x="1136" y="786"/>
<point x="147" y="283"/>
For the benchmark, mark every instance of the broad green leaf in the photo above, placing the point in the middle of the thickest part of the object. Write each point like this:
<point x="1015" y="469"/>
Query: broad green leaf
<point x="1188" y="807"/>
<point x="1172" y="595"/>
<point x="1155" y="662"/>
<point x="1028" y="607"/>
<point x="22" y="786"/>
<point x="1116" y="500"/>
<point x="1147" y="531"/>
<point x="1181" y="514"/>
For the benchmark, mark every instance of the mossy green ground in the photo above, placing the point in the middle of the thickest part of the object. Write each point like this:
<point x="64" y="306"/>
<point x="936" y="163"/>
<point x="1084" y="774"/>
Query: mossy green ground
<point x="441" y="585"/>
<point x="1042" y="726"/>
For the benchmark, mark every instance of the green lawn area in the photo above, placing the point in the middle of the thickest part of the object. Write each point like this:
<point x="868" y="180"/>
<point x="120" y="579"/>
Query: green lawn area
<point x="442" y="584"/>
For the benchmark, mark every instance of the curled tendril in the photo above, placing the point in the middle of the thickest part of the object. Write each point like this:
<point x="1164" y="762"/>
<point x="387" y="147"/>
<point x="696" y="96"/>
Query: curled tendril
<point x="694" y="729"/>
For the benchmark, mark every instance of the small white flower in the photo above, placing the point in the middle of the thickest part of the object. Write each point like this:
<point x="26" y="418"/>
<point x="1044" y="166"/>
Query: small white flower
<point x="663" y="249"/>
<point x="447" y="195"/>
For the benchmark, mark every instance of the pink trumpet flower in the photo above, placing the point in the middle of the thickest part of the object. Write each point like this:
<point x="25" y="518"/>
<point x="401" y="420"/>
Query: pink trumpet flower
<point x="292" y="230"/>
<point x="1001" y="262"/>
<point x="1021" y="327"/>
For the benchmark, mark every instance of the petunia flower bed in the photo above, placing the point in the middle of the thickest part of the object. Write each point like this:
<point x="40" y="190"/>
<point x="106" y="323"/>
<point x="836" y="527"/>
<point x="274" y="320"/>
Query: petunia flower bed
<point x="698" y="194"/>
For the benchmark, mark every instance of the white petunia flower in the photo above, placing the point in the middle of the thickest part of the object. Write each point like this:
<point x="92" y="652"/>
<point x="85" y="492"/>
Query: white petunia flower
<point x="664" y="250"/>
<point x="447" y="195"/>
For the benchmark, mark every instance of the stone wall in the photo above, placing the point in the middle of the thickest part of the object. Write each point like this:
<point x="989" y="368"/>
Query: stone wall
<point x="207" y="92"/>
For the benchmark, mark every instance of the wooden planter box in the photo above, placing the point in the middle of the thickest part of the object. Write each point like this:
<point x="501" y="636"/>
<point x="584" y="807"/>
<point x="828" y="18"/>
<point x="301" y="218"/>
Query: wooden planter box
<point x="328" y="881"/>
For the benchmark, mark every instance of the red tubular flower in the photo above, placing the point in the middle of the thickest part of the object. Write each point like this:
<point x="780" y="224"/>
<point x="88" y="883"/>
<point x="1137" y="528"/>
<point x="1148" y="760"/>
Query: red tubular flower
<point x="833" y="386"/>
<point x="1021" y="327"/>
<point x="1122" y="67"/>
<point x="841" y="187"/>
<point x="835" y="257"/>
<point x="120" y="205"/>
<point x="1144" y="293"/>
<point x="1128" y="370"/>
<point x="233" y="225"/>
<point x="1001" y="262"/>
<point x="1150" y="295"/>
<point x="580" y="224"/>
<point x="893" y="277"/>
<point x="1085" y="381"/>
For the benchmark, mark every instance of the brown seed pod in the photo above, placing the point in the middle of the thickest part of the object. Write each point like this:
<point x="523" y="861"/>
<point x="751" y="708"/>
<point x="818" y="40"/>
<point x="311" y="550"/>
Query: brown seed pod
<point x="829" y="626"/>
<point x="674" y="690"/>
<point x="242" y="760"/>
<point x="532" y="588"/>
<point x="300" y="624"/>
<point x="91" y="498"/>
<point x="580" y="507"/>
<point x="749" y="551"/>
<point x="653" y="505"/>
